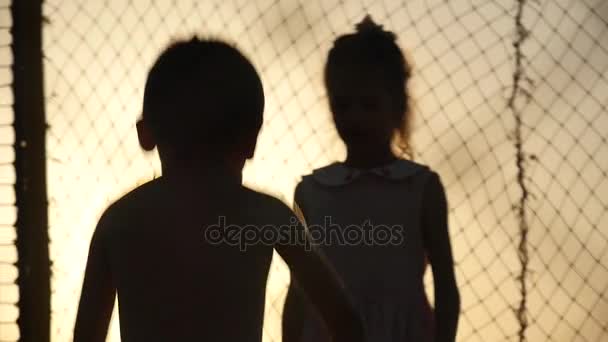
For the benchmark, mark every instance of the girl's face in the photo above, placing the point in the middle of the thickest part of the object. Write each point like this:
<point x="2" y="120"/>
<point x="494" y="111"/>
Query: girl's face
<point x="362" y="107"/>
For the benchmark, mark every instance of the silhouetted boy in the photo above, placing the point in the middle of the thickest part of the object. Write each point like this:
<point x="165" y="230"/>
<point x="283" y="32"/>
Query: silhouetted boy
<point x="161" y="248"/>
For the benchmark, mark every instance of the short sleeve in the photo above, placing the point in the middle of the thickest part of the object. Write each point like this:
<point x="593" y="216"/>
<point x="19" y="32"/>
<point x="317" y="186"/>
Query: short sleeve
<point x="298" y="203"/>
<point x="434" y="208"/>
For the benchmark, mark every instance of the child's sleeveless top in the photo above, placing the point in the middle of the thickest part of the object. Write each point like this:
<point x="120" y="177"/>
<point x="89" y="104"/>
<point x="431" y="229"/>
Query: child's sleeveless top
<point x="368" y="224"/>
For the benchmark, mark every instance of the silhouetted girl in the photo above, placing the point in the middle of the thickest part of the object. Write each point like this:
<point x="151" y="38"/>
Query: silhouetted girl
<point x="375" y="216"/>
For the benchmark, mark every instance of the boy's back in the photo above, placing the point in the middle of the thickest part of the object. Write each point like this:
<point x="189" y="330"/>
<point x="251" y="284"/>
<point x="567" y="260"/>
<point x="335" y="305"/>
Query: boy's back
<point x="172" y="282"/>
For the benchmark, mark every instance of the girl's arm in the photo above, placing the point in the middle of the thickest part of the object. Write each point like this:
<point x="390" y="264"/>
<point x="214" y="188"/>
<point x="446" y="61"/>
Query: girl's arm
<point x="439" y="251"/>
<point x="98" y="293"/>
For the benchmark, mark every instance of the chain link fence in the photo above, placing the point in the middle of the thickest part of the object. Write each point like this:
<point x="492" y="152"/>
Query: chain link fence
<point x="510" y="108"/>
<point x="9" y="293"/>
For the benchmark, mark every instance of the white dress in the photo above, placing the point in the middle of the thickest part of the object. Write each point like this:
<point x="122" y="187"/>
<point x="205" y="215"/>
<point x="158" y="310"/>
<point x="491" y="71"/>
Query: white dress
<point x="384" y="277"/>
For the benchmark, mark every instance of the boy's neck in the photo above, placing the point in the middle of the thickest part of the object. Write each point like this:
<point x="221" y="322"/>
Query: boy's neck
<point x="205" y="172"/>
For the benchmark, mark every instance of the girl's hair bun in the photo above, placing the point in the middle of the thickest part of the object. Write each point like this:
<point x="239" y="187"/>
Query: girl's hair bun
<point x="367" y="26"/>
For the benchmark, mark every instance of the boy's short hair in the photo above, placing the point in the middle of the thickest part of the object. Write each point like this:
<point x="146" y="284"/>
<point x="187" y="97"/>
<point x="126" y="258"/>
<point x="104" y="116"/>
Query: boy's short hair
<point x="202" y="95"/>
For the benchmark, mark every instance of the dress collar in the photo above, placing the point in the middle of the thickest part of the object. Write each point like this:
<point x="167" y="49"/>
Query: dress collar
<point x="338" y="174"/>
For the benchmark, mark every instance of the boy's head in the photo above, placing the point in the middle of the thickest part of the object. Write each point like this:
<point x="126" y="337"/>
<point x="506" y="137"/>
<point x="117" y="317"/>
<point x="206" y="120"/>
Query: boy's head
<point x="203" y="100"/>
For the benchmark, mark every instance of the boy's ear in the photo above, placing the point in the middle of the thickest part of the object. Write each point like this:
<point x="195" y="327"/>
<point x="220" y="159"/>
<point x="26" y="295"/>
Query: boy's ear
<point x="144" y="135"/>
<point x="250" y="143"/>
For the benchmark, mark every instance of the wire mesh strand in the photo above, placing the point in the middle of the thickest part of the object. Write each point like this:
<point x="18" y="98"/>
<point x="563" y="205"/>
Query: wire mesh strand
<point x="98" y="53"/>
<point x="9" y="293"/>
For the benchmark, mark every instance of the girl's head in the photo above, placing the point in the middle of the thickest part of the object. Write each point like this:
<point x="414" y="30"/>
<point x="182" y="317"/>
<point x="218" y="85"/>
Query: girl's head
<point x="366" y="78"/>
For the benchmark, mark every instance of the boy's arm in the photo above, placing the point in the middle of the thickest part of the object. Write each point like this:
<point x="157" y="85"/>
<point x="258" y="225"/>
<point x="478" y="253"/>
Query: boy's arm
<point x="293" y="313"/>
<point x="98" y="292"/>
<point x="439" y="249"/>
<point x="294" y="308"/>
<point x="322" y="287"/>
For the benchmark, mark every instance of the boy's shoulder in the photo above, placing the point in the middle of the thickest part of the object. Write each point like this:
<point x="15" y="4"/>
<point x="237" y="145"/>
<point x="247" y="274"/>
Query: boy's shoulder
<point x="147" y="195"/>
<point x="127" y="206"/>
<point x="266" y="203"/>
<point x="138" y="196"/>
